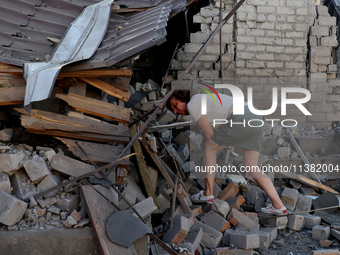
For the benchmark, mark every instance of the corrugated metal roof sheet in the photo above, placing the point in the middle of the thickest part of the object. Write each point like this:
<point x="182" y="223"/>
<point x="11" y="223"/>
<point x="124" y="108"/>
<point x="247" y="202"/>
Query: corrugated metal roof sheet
<point x="25" y="26"/>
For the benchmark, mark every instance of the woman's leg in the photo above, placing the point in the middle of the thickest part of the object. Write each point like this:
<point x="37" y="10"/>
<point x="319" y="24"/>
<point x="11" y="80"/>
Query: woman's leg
<point x="250" y="159"/>
<point x="209" y="159"/>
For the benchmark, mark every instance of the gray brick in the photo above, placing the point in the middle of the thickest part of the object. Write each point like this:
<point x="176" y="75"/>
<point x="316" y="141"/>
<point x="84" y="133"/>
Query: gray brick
<point x="304" y="203"/>
<point x="289" y="198"/>
<point x="5" y="183"/>
<point x="211" y="237"/>
<point x="49" y="182"/>
<point x="319" y="31"/>
<point x="69" y="166"/>
<point x="194" y="237"/>
<point x="11" y="162"/>
<point x="244" y="239"/>
<point x="272" y="231"/>
<point x="311" y="221"/>
<point x="280" y="222"/>
<point x="179" y="230"/>
<point x="36" y="168"/>
<point x="6" y="134"/>
<point x="146" y="207"/>
<point x="283" y="152"/>
<point x="68" y="203"/>
<point x="326" y="21"/>
<point x="296" y="222"/>
<point x="320" y="232"/>
<point x="183" y="151"/>
<point x="329" y="41"/>
<point x="11" y="209"/>
<point x="215" y="221"/>
<point x="221" y="207"/>
<point x="21" y="187"/>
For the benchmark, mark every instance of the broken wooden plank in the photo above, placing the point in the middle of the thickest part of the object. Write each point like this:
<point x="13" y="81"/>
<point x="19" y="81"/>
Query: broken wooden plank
<point x="77" y="74"/>
<point x="143" y="170"/>
<point x="99" y="211"/>
<point x="97" y="107"/>
<point x="69" y="123"/>
<point x="170" y="126"/>
<point x="12" y="95"/>
<point x="99" y="153"/>
<point x="107" y="88"/>
<point x="166" y="176"/>
<point x="306" y="181"/>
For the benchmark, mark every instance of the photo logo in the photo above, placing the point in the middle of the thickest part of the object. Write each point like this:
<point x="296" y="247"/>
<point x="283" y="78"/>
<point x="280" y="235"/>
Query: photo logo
<point x="239" y="103"/>
<point x="212" y="89"/>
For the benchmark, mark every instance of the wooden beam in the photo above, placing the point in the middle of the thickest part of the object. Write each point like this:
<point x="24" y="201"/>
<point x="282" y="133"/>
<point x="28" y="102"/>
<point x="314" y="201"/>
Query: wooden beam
<point x="107" y="88"/>
<point x="166" y="176"/>
<point x="99" y="211"/>
<point x="97" y="107"/>
<point x="12" y="95"/>
<point x="81" y="73"/>
<point x="143" y="170"/>
<point x="75" y="124"/>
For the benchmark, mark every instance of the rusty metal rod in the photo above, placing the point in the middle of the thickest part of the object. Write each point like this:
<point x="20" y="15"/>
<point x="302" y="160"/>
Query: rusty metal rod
<point x="289" y="214"/>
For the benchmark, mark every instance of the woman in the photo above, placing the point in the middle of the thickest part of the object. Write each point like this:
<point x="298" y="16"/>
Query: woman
<point x="236" y="132"/>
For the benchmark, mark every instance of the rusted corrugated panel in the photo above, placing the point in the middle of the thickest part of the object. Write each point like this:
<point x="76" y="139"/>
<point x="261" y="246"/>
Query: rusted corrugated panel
<point x="26" y="25"/>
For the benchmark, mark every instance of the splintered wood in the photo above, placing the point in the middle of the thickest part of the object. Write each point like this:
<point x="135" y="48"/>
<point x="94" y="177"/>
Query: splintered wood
<point x="42" y="122"/>
<point x="97" y="107"/>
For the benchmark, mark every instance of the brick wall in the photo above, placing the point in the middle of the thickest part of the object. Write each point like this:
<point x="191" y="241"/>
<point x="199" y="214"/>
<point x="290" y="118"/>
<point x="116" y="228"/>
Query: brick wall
<point x="269" y="43"/>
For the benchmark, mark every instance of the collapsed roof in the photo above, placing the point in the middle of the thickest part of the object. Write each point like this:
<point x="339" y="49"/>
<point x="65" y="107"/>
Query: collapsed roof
<point x="30" y="30"/>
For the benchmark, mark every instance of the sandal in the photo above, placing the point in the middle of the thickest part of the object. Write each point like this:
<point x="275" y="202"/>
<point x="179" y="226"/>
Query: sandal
<point x="270" y="209"/>
<point x="200" y="198"/>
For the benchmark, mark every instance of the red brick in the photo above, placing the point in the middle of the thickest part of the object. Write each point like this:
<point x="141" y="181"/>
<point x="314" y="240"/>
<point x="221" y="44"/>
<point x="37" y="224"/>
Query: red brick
<point x="229" y="192"/>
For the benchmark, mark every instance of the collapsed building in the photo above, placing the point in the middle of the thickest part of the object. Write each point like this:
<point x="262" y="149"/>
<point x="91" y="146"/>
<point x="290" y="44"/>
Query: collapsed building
<point x="50" y="195"/>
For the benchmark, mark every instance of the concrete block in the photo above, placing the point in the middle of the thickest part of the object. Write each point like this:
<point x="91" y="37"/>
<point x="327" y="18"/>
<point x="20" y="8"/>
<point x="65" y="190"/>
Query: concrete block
<point x="36" y="168"/>
<point x="244" y="239"/>
<point x="277" y="130"/>
<point x="322" y="10"/>
<point x="221" y="207"/>
<point x="166" y="117"/>
<point x="6" y="134"/>
<point x="329" y="41"/>
<point x="239" y="219"/>
<point x="327" y="21"/>
<point x="221" y="251"/>
<point x="226" y="237"/>
<point x="50" y="155"/>
<point x="304" y="203"/>
<point x="296" y="222"/>
<point x="11" y="162"/>
<point x="271" y="231"/>
<point x="236" y="202"/>
<point x="319" y="31"/>
<point x="289" y="198"/>
<point x="163" y="201"/>
<point x="264" y="239"/>
<point x="194" y="237"/>
<point x="68" y="203"/>
<point x="311" y="221"/>
<point x="146" y="207"/>
<point x="283" y="152"/>
<point x="11" y="208"/>
<point x="48" y="182"/>
<point x="335" y="233"/>
<point x="211" y="237"/>
<point x="179" y="230"/>
<point x="69" y="166"/>
<point x="183" y="151"/>
<point x="280" y="222"/>
<point x="321" y="232"/>
<point x="21" y="185"/>
<point x="5" y="183"/>
<point x="215" y="221"/>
